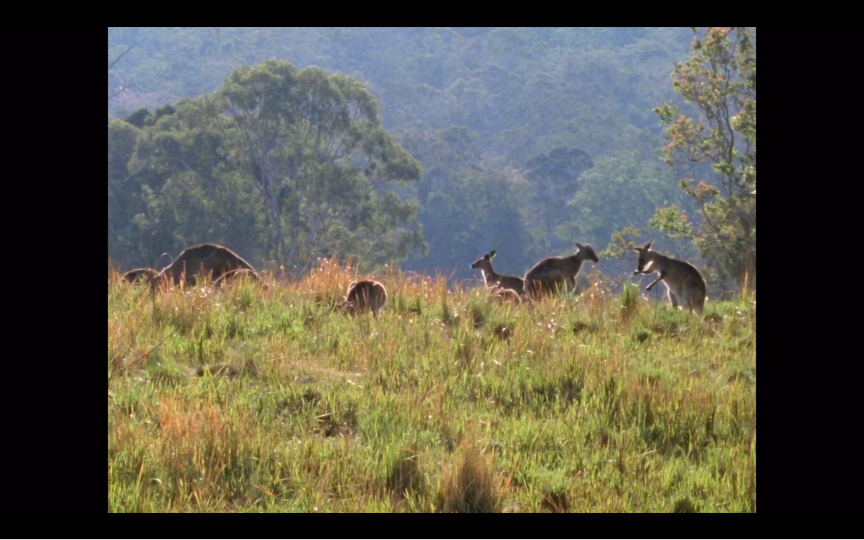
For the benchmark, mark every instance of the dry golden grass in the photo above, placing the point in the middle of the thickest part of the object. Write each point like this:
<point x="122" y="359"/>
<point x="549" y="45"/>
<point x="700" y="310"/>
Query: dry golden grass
<point x="252" y="399"/>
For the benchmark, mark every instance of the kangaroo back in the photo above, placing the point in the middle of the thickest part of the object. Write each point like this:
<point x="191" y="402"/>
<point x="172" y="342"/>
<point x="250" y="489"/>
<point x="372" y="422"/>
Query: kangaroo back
<point x="141" y="274"/>
<point x="236" y="274"/>
<point x="365" y="295"/>
<point x="204" y="258"/>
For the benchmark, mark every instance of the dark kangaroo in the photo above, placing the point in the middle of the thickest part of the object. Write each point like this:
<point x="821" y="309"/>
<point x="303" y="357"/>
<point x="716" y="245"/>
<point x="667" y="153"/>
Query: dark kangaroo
<point x="147" y="275"/>
<point x="553" y="272"/>
<point x="197" y="260"/>
<point x="365" y="295"/>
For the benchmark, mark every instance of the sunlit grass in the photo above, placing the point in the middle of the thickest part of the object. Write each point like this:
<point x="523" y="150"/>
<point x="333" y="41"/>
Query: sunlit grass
<point x="249" y="399"/>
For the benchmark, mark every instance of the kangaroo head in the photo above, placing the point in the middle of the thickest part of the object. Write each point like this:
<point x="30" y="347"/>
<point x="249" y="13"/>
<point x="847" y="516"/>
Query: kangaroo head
<point x="645" y="259"/>
<point x="587" y="252"/>
<point x="484" y="262"/>
<point x="349" y="307"/>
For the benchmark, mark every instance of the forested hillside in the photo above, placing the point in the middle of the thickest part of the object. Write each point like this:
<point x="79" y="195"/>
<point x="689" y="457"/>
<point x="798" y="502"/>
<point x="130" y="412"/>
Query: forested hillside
<point x="426" y="147"/>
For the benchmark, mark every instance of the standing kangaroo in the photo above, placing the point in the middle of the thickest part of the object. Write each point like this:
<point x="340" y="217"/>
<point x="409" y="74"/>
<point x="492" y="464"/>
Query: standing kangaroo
<point x="553" y="272"/>
<point x="684" y="284"/>
<point x="363" y="296"/>
<point x="493" y="279"/>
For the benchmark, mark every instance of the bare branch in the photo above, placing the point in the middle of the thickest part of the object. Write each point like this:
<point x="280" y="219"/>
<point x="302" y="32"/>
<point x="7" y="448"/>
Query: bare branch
<point x="115" y="93"/>
<point x="119" y="57"/>
<point x="141" y="168"/>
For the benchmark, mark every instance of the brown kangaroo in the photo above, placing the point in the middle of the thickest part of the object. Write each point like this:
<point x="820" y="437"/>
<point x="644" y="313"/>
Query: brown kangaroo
<point x="507" y="295"/>
<point x="147" y="275"/>
<point x="365" y="295"/>
<point x="684" y="284"/>
<point x="236" y="274"/>
<point x="204" y="258"/>
<point x="493" y="279"/>
<point x="553" y="272"/>
<point x="201" y="259"/>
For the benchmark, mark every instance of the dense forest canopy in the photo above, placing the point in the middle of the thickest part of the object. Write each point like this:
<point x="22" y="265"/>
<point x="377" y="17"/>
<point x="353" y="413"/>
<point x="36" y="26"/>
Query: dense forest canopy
<point x="426" y="147"/>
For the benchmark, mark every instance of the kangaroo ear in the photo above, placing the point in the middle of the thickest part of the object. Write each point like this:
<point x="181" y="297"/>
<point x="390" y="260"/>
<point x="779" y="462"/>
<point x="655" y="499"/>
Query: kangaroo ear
<point x="648" y="245"/>
<point x="578" y="245"/>
<point x="491" y="253"/>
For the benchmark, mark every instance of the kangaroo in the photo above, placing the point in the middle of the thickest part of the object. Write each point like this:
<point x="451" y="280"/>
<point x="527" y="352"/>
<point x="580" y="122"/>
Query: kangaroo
<point x="555" y="271"/>
<point x="684" y="284"/>
<point x="233" y="275"/>
<point x="204" y="258"/>
<point x="493" y="279"/>
<point x="141" y="274"/>
<point x="363" y="296"/>
<point x="507" y="295"/>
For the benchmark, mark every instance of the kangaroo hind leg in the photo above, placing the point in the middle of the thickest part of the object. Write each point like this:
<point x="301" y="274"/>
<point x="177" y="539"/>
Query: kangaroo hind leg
<point x="673" y="298"/>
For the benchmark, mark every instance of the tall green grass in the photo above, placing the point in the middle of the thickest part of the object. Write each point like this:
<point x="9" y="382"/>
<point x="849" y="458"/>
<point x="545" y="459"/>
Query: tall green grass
<point x="272" y="400"/>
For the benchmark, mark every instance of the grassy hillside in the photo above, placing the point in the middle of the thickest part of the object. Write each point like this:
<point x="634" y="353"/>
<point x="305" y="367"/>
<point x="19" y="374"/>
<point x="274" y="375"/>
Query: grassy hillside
<point x="254" y="399"/>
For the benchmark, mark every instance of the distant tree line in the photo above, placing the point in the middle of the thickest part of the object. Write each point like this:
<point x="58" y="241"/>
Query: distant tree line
<point x="530" y="140"/>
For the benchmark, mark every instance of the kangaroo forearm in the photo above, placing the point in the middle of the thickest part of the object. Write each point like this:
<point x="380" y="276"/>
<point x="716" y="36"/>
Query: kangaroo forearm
<point x="659" y="278"/>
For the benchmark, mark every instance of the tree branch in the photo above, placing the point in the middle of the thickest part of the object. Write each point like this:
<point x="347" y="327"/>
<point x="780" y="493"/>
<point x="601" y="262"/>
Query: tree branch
<point x="141" y="168"/>
<point x="115" y="93"/>
<point x="119" y="57"/>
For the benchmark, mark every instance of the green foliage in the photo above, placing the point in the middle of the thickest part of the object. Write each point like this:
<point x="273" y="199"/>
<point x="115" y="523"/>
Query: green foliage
<point x="672" y="221"/>
<point x="281" y="164"/>
<point x="623" y="243"/>
<point x="140" y="118"/>
<point x="316" y="152"/>
<point x="123" y="204"/>
<point x="621" y="190"/>
<point x="467" y="208"/>
<point x="509" y="124"/>
<point x="554" y="178"/>
<point x="720" y="81"/>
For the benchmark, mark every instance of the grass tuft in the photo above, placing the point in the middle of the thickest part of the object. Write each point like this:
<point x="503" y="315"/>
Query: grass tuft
<point x="470" y="486"/>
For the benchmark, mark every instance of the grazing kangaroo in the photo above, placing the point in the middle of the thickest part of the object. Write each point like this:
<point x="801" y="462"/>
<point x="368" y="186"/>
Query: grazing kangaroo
<point x="553" y="272"/>
<point x="203" y="258"/>
<point x="363" y="296"/>
<point x="493" y="279"/>
<point x="684" y="284"/>
<point x="141" y="274"/>
<point x="233" y="275"/>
